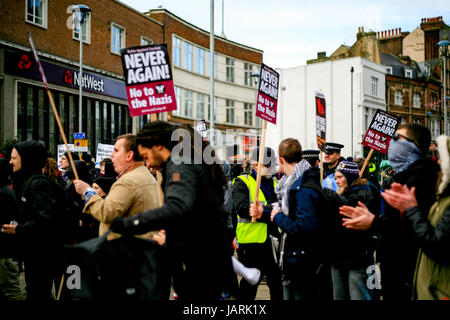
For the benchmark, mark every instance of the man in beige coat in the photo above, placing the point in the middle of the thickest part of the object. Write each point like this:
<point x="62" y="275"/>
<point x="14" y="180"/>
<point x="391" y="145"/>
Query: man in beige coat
<point x="135" y="190"/>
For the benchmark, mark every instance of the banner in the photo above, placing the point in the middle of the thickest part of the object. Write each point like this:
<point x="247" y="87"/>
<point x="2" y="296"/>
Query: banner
<point x="103" y="151"/>
<point x="148" y="79"/>
<point x="61" y="150"/>
<point x="321" y="121"/>
<point x="380" y="131"/>
<point x="266" y="102"/>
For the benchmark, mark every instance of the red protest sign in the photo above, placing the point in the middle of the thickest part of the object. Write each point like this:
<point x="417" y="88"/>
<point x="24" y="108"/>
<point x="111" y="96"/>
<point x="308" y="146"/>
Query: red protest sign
<point x="321" y="122"/>
<point x="380" y="131"/>
<point x="148" y="79"/>
<point x="266" y="102"/>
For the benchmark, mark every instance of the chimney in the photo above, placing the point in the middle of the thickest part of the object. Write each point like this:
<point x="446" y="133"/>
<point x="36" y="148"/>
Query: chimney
<point x="321" y="55"/>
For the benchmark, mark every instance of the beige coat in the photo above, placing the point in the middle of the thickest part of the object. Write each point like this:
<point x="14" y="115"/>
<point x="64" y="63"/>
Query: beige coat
<point x="134" y="192"/>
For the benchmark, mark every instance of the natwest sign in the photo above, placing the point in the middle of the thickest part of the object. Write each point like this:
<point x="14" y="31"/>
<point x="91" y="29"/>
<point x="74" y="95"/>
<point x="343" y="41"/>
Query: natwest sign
<point x="88" y="82"/>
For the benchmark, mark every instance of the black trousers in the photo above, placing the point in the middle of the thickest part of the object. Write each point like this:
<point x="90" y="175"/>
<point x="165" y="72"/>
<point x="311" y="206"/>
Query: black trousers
<point x="260" y="255"/>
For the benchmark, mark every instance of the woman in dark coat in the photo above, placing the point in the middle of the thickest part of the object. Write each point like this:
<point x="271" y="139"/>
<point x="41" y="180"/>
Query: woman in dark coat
<point x="353" y="250"/>
<point x="39" y="230"/>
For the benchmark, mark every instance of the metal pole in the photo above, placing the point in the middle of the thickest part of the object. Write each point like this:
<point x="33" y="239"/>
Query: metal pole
<point x="80" y="102"/>
<point x="351" y="108"/>
<point x="223" y="15"/>
<point x="211" y="74"/>
<point x="445" y="93"/>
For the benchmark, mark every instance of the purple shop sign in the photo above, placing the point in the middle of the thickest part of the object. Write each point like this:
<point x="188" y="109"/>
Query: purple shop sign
<point x="22" y="64"/>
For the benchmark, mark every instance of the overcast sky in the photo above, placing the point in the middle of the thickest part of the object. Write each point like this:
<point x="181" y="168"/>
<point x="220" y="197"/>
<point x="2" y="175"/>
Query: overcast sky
<point x="293" y="31"/>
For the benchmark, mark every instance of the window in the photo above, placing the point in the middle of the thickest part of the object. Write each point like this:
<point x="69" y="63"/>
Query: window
<point x="417" y="101"/>
<point x="215" y="64"/>
<point x="200" y="106"/>
<point x="229" y="106"/>
<point x="36" y="12"/>
<point x="209" y="108"/>
<point x="230" y="69"/>
<point x="435" y="128"/>
<point x="258" y="122"/>
<point x="200" y="60"/>
<point x="248" y="68"/>
<point x="176" y="52"/>
<point x="178" y="98"/>
<point x="248" y="114"/>
<point x="408" y="73"/>
<point x="433" y="97"/>
<point x="117" y="38"/>
<point x="389" y="70"/>
<point x="86" y="27"/>
<point x="188" y="56"/>
<point x="374" y="87"/>
<point x="188" y="103"/>
<point x="368" y="116"/>
<point x="146" y="41"/>
<point x="398" y="98"/>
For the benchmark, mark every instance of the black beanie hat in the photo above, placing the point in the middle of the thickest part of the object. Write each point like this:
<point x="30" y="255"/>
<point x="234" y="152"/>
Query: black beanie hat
<point x="33" y="155"/>
<point x="269" y="159"/>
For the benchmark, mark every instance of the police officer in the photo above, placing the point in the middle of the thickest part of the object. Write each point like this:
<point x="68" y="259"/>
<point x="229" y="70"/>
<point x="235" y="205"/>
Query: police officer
<point x="255" y="244"/>
<point x="331" y="160"/>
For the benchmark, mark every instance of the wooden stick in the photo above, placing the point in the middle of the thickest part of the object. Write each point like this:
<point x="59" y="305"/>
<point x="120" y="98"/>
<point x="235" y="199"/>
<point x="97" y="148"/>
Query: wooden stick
<point x="60" y="287"/>
<point x="260" y="160"/>
<point x="159" y="178"/>
<point x="365" y="163"/>
<point x="321" y="168"/>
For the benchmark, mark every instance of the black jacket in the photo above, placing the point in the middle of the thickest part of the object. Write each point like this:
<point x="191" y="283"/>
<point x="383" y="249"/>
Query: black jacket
<point x="397" y="250"/>
<point x="355" y="247"/>
<point x="434" y="241"/>
<point x="194" y="222"/>
<point x="8" y="213"/>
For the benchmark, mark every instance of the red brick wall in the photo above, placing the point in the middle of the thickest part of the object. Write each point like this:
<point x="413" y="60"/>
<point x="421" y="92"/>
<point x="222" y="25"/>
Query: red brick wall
<point x="57" y="38"/>
<point x="173" y="26"/>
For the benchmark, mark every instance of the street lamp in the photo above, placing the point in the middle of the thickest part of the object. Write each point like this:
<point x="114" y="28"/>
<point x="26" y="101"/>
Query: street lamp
<point x="443" y="45"/>
<point x="80" y="11"/>
<point x="351" y="107"/>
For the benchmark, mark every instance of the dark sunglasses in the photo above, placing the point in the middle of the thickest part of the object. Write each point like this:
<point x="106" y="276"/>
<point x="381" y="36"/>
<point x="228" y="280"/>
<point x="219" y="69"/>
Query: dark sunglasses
<point x="396" y="136"/>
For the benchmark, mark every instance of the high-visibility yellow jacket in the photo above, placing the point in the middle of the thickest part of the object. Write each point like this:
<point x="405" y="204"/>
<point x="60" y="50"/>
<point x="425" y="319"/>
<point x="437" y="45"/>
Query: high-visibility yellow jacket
<point x="246" y="231"/>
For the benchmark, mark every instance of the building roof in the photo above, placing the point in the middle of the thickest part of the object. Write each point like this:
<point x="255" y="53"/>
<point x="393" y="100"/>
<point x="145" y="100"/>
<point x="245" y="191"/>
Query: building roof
<point x="398" y="67"/>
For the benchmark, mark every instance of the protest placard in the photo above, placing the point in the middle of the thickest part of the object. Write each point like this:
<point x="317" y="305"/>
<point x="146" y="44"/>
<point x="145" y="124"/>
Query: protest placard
<point x="103" y="151"/>
<point x="148" y="79"/>
<point x="61" y="150"/>
<point x="266" y="102"/>
<point x="201" y="127"/>
<point x="380" y="131"/>
<point x="321" y="121"/>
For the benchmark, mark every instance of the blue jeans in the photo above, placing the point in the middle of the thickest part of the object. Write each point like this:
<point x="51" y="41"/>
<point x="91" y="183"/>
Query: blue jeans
<point x="349" y="283"/>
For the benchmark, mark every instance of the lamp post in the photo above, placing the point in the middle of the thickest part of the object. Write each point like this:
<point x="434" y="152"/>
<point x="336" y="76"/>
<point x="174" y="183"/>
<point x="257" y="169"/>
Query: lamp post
<point x="443" y="45"/>
<point x="211" y="72"/>
<point x="80" y="11"/>
<point x="351" y="107"/>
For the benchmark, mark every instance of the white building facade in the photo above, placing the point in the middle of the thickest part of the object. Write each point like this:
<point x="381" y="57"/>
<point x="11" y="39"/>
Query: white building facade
<point x="297" y="110"/>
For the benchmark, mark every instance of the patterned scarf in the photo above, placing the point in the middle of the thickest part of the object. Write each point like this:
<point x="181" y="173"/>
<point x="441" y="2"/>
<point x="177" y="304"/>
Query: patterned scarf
<point x="284" y="185"/>
<point x="402" y="154"/>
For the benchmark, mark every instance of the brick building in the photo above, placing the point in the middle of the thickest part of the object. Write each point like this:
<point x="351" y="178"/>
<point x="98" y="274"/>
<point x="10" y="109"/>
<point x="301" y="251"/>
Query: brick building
<point x="25" y="112"/>
<point x="235" y="90"/>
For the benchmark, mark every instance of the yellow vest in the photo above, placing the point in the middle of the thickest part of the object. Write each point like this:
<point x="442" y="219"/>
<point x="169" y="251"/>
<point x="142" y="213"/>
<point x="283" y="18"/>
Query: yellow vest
<point x="246" y="230"/>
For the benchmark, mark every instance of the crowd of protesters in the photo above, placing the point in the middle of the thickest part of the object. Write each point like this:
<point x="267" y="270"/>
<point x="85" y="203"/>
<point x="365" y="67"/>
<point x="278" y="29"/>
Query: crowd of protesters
<point x="331" y="233"/>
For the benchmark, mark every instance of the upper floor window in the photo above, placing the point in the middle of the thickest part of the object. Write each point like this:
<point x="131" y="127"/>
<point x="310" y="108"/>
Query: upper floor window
<point x="188" y="103"/>
<point x="248" y="114"/>
<point x="188" y="56"/>
<point x="200" y="106"/>
<point x="374" y="87"/>
<point x="178" y="99"/>
<point x="146" y="41"/>
<point x="248" y="69"/>
<point x="417" y="101"/>
<point x="408" y="73"/>
<point x="176" y="52"/>
<point x="229" y="106"/>
<point x="389" y="70"/>
<point x="200" y="60"/>
<point x="36" y="12"/>
<point x="85" y="27"/>
<point x="230" y="69"/>
<point x="398" y="98"/>
<point x="117" y="38"/>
